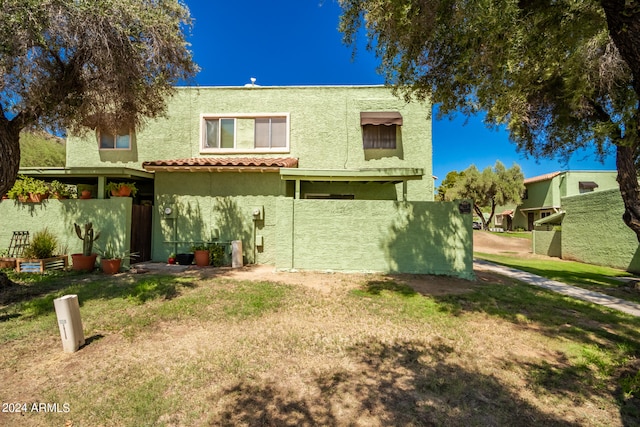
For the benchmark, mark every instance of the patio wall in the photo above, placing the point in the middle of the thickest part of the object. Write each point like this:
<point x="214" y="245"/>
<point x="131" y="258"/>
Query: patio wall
<point x="373" y="235"/>
<point x="110" y="217"/>
<point x="547" y="242"/>
<point x="593" y="231"/>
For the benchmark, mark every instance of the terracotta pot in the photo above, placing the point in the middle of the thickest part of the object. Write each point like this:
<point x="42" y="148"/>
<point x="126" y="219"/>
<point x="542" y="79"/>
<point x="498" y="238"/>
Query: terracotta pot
<point x="38" y="197"/>
<point x="110" y="266"/>
<point x="124" y="191"/>
<point x="202" y="258"/>
<point x="171" y="260"/>
<point x="84" y="262"/>
<point x="86" y="194"/>
<point x="115" y="193"/>
<point x="23" y="199"/>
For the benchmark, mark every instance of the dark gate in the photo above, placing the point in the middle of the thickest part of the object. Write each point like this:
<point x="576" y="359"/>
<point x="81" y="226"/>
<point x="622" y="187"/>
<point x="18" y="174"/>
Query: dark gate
<point x="141" y="232"/>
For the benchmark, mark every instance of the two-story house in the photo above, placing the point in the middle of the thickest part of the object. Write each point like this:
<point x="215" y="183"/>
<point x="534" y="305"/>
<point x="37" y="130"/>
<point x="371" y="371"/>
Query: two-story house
<point x="323" y="177"/>
<point x="543" y="194"/>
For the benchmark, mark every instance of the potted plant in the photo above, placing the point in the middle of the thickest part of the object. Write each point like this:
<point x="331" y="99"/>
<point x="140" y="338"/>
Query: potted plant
<point x="85" y="191"/>
<point x="110" y="259"/>
<point x="85" y="261"/>
<point x="172" y="258"/>
<point x="122" y="189"/>
<point x="37" y="189"/>
<point x="62" y="191"/>
<point x="19" y="191"/>
<point x="201" y="254"/>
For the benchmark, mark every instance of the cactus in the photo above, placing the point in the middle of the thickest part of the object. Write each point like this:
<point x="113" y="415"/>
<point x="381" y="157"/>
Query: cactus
<point x="88" y="239"/>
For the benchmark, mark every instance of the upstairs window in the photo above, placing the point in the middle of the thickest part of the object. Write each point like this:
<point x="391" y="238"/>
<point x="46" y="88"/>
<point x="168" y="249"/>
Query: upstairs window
<point x="220" y="133"/>
<point x="379" y="129"/>
<point x="119" y="141"/>
<point x="245" y="133"/>
<point x="270" y="132"/>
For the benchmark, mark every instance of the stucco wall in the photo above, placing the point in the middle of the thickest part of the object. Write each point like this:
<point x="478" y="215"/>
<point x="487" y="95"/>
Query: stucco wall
<point x="110" y="217"/>
<point x="593" y="231"/>
<point x="547" y="242"/>
<point x="373" y="235"/>
<point x="218" y="205"/>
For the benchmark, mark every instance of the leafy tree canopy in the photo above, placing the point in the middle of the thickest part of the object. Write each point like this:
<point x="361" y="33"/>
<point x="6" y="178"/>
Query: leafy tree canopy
<point x="492" y="187"/>
<point x="79" y="64"/>
<point x="447" y="183"/>
<point x="560" y="74"/>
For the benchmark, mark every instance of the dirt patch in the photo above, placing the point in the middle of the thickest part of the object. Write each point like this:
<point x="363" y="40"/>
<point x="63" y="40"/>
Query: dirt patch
<point x="493" y="243"/>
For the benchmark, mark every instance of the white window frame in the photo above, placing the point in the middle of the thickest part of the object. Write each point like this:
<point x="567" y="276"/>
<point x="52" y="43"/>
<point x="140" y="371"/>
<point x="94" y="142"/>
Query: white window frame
<point x="235" y="150"/>
<point x="115" y="147"/>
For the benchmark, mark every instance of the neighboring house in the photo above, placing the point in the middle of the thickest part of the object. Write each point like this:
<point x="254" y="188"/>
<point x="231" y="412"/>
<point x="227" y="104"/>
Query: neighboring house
<point x="325" y="177"/>
<point x="543" y="194"/>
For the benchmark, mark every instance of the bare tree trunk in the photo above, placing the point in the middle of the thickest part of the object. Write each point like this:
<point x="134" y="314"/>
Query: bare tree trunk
<point x="623" y="21"/>
<point x="629" y="189"/>
<point x="9" y="154"/>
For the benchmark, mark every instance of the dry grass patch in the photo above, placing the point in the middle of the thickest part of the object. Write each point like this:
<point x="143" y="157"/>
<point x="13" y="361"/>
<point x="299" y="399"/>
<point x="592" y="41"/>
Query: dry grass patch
<point x="373" y="350"/>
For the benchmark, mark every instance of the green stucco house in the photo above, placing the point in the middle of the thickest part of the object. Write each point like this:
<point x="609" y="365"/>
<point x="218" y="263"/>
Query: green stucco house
<point x="324" y="178"/>
<point x="544" y="193"/>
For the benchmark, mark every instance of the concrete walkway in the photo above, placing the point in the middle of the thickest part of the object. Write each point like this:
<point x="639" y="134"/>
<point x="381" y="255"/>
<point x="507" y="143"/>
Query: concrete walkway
<point x="562" y="288"/>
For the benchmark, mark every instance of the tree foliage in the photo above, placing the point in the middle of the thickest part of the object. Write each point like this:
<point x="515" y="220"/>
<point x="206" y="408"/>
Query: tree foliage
<point x="492" y="187"/>
<point x="81" y="64"/>
<point x="560" y="74"/>
<point x="447" y="183"/>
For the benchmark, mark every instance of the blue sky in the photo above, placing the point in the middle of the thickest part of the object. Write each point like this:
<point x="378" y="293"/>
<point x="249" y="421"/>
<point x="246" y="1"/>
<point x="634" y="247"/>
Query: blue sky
<point x="296" y="42"/>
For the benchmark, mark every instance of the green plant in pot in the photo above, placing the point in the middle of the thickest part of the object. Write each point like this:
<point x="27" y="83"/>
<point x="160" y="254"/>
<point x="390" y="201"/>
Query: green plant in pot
<point x="43" y="245"/>
<point x="110" y="259"/>
<point x="19" y="191"/>
<point x="122" y="189"/>
<point x="85" y="261"/>
<point x="37" y="189"/>
<point x="201" y="254"/>
<point x="63" y="191"/>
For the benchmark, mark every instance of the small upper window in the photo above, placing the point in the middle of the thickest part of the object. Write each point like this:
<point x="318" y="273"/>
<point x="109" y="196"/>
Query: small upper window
<point x="379" y="129"/>
<point x="119" y="141"/>
<point x="379" y="136"/>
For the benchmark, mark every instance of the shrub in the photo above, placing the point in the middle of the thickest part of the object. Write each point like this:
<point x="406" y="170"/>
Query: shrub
<point x="216" y="254"/>
<point x="43" y="244"/>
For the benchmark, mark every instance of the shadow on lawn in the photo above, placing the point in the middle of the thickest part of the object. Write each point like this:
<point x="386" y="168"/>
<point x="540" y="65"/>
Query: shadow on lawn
<point x="603" y="335"/>
<point x="610" y="333"/>
<point x="388" y="384"/>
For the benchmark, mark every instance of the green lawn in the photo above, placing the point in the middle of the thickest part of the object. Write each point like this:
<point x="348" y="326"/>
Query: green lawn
<point x="592" y="277"/>
<point x="320" y="349"/>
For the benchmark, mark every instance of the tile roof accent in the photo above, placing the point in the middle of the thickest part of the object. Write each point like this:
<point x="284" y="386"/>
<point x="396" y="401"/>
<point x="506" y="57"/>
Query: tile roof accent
<point x="539" y="178"/>
<point x="222" y="164"/>
<point x="507" y="212"/>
